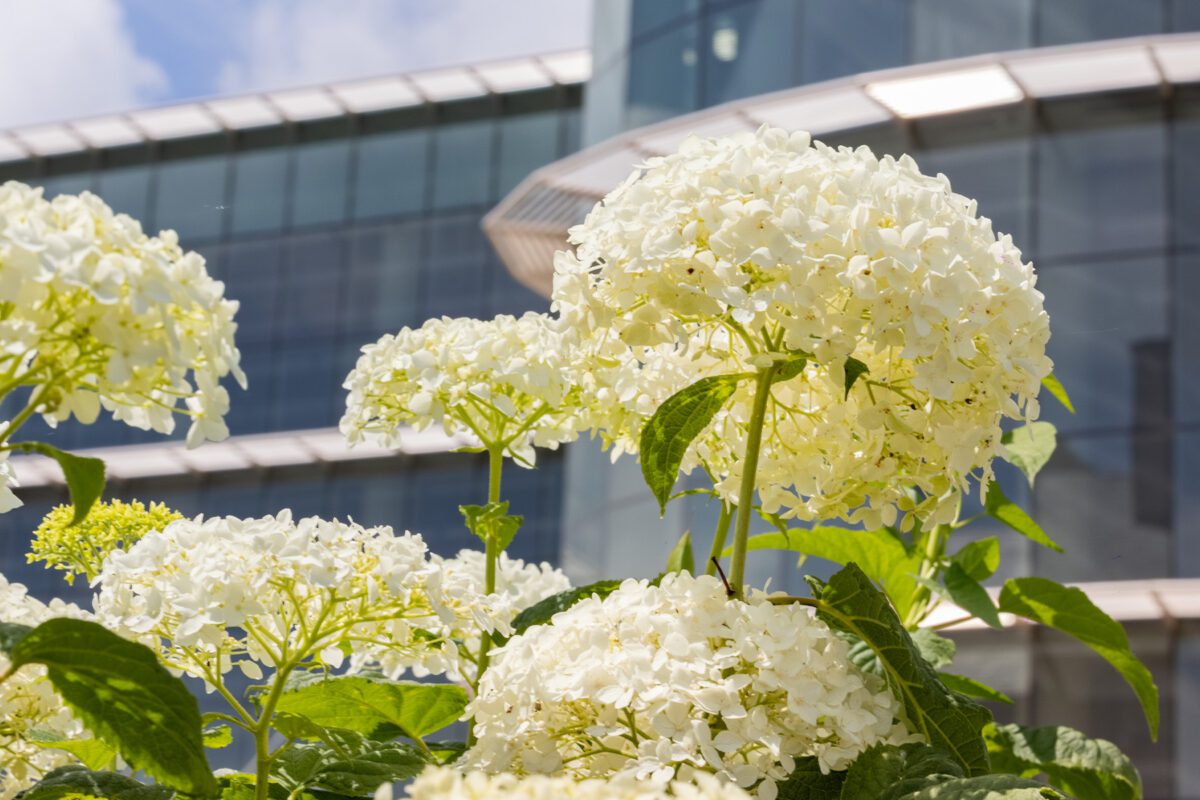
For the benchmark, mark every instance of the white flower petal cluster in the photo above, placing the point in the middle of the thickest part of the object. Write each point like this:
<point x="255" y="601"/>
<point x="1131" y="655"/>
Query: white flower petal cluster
<point x="8" y="479"/>
<point x="671" y="680"/>
<point x="445" y="783"/>
<point x="96" y="314"/>
<point x="28" y="703"/>
<point x="461" y="584"/>
<point x="217" y="593"/>
<point x="736" y="251"/>
<point x="503" y="380"/>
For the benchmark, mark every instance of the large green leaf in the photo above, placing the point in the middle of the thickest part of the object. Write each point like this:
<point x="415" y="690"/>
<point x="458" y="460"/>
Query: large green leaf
<point x="1069" y="610"/>
<point x="1094" y="769"/>
<point x="92" y="753"/>
<point x="541" y="612"/>
<point x="986" y="787"/>
<point x="74" y="780"/>
<point x="1030" y="447"/>
<point x="850" y="602"/>
<point x="855" y="369"/>
<point x="806" y="782"/>
<point x="888" y="772"/>
<point x="678" y="421"/>
<point x="1004" y="510"/>
<point x="364" y="705"/>
<point x="936" y="649"/>
<point x="347" y="763"/>
<point x="84" y="475"/>
<point x="970" y="596"/>
<point x="1052" y="385"/>
<point x="980" y="559"/>
<point x="973" y="688"/>
<point x="124" y="696"/>
<point x="878" y="553"/>
<point x="682" y="559"/>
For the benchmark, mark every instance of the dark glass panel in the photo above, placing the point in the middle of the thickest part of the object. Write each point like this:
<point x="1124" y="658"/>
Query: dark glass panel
<point x="259" y="190"/>
<point x="463" y="165"/>
<point x="527" y="142"/>
<point x="997" y="174"/>
<point x="456" y="281"/>
<point x="74" y="183"/>
<point x="842" y="37"/>
<point x="306" y="386"/>
<point x="311" y="279"/>
<point x="651" y="14"/>
<point x="127" y="191"/>
<point x="1185" y="375"/>
<point x="391" y="173"/>
<point x="662" y="76"/>
<point x="1066" y="21"/>
<point x="750" y="50"/>
<point x="190" y="197"/>
<point x="438" y="489"/>
<point x="382" y="281"/>
<point x="322" y="174"/>
<point x="953" y="28"/>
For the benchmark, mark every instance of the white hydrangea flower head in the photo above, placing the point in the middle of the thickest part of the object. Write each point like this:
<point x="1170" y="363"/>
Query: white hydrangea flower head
<point x="28" y="703"/>
<point x="8" y="479"/>
<point x="672" y="680"/>
<point x="214" y="594"/>
<point x="461" y="584"/>
<point x="502" y="380"/>
<point x="99" y="315"/>
<point x="734" y="251"/>
<point x="445" y="783"/>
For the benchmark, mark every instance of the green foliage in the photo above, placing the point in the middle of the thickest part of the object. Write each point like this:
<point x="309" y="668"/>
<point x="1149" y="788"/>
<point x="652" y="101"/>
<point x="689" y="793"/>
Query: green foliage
<point x="216" y="737"/>
<point x="364" y="705"/>
<point x="92" y="753"/>
<point x="888" y="772"/>
<point x="346" y="763"/>
<point x="986" y="787"/>
<point x="970" y="687"/>
<point x="1069" y="610"/>
<point x="934" y="648"/>
<point x="84" y="475"/>
<point x="851" y="603"/>
<point x="807" y="783"/>
<point x="979" y="559"/>
<point x="1052" y="385"/>
<point x="1004" y="510"/>
<point x="879" y="553"/>
<point x="540" y="613"/>
<point x="788" y="370"/>
<point x="1030" y="447"/>
<point x="682" y="559"/>
<point x="855" y="369"/>
<point x="74" y="780"/>
<point x="1094" y="769"/>
<point x="123" y="695"/>
<point x="970" y="596"/>
<point x="678" y="421"/>
<point x="492" y="520"/>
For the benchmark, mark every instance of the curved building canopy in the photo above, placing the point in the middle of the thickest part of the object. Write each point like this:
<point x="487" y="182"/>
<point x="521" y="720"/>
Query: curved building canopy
<point x="530" y="224"/>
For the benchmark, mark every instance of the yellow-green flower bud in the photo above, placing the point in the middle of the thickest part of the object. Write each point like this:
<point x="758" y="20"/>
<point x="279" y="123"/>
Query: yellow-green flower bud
<point x="81" y="549"/>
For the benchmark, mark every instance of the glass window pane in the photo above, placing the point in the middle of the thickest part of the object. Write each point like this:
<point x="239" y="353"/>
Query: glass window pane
<point x="311" y="279"/>
<point x="127" y="191"/>
<point x="306" y="387"/>
<point x="651" y="14"/>
<point x="1187" y="505"/>
<point x="250" y="270"/>
<point x="382" y="285"/>
<point x="390" y="178"/>
<point x="439" y="487"/>
<point x="322" y="170"/>
<point x="997" y="174"/>
<point x="190" y="197"/>
<point x="878" y="40"/>
<point x="372" y="499"/>
<point x="456" y="281"/>
<point x="1101" y="191"/>
<point x="750" y="50"/>
<point x="250" y="408"/>
<point x="952" y="28"/>
<point x="463" y="165"/>
<point x="259" y="189"/>
<point x="662" y="76"/>
<point x="1185" y="180"/>
<point x="1185" y="376"/>
<point x="526" y="143"/>
<point x="1185" y="16"/>
<point x="65" y="184"/>
<point x="1066" y="21"/>
<point x="303" y="495"/>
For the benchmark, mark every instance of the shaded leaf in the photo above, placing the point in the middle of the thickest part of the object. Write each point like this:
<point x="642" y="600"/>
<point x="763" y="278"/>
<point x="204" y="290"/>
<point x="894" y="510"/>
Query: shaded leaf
<point x="934" y="648"/>
<point x="806" y="782"/>
<point x="986" y="787"/>
<point x="682" y="559"/>
<point x="74" y="780"/>
<point x="490" y="520"/>
<point x="969" y="687"/>
<point x="1029" y="447"/>
<point x="540" y="613"/>
<point x="854" y="370"/>
<point x="1086" y="768"/>
<point x="888" y="772"/>
<point x="966" y="592"/>
<point x="364" y="705"/>
<point x="84" y="475"/>
<point x="1069" y="610"/>
<point x="788" y="370"/>
<point x="1052" y="385"/>
<point x="1004" y="510"/>
<point x="347" y="763"/>
<point x="217" y="737"/>
<point x="979" y="559"/>
<point x="92" y="753"/>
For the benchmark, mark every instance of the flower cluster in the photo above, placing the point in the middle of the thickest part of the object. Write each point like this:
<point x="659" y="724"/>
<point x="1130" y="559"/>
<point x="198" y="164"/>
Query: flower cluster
<point x="81" y="548"/>
<point x="217" y="593"/>
<point x="736" y="252"/>
<point x="670" y="680"/>
<point x="444" y="783"/>
<point x="504" y="380"/>
<point x="95" y="314"/>
<point x="30" y="710"/>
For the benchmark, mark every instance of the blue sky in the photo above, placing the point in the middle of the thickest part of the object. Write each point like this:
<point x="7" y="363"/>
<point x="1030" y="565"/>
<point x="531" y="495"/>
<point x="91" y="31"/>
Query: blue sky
<point x="65" y="59"/>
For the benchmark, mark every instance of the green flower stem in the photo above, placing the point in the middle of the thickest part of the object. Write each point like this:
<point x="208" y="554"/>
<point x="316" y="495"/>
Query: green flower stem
<point x="935" y="546"/>
<point x="262" y="735"/>
<point x="495" y="467"/>
<point x="20" y="419"/>
<point x="719" y="537"/>
<point x="745" y="506"/>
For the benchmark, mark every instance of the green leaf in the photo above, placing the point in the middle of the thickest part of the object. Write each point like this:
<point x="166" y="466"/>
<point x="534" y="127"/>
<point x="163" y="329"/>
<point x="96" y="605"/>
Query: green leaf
<point x="678" y="421"/>
<point x="92" y="753"/>
<point x="347" y="763"/>
<point x="986" y="787"/>
<point x="966" y="592"/>
<point x="1069" y="610"/>
<point x="854" y="370"/>
<point x="217" y="737"/>
<point x="1052" y="385"/>
<point x="682" y="559"/>
<point x="541" y="612"/>
<point x="788" y="370"/>
<point x="74" y="780"/>
<point x="850" y="602"/>
<point x="446" y="752"/>
<point x="1087" y="768"/>
<point x="807" y="783"/>
<point x="491" y="520"/>
<point x="84" y="475"/>
<point x="363" y="705"/>
<point x="1030" y="447"/>
<point x="979" y="559"/>
<point x="887" y="772"/>
<point x="934" y="648"/>
<point x="970" y="687"/>
<point x="878" y="553"/>
<point x="1004" y="510"/>
<point x="124" y="696"/>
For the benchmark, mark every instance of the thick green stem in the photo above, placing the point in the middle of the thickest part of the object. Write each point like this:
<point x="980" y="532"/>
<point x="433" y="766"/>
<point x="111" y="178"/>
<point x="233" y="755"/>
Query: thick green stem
<point x="719" y="537"/>
<point x="262" y="734"/>
<point x="745" y="506"/>
<point x="935" y="545"/>
<point x="492" y="558"/>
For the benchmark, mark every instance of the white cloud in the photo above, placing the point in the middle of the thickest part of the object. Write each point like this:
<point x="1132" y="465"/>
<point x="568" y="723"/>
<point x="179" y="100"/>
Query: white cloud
<point x="281" y="43"/>
<point x="71" y="58"/>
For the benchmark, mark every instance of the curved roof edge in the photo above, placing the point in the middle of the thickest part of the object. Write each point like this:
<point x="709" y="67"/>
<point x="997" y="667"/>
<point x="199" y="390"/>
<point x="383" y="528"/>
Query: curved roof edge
<point x="530" y="224"/>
